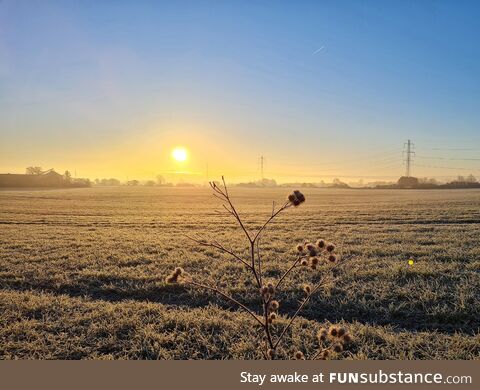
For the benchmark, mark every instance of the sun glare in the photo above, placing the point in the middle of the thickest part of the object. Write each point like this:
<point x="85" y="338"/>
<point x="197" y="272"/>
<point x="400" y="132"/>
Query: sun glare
<point x="179" y="154"/>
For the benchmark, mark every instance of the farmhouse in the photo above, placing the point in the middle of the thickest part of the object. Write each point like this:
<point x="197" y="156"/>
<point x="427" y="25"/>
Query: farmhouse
<point x="48" y="178"/>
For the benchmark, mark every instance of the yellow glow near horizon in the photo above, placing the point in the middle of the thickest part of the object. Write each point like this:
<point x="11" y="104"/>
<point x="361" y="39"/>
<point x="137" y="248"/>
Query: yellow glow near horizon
<point x="179" y="154"/>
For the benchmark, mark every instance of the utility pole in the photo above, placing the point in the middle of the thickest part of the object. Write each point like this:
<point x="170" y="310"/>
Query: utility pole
<point x="408" y="160"/>
<point x="261" y="167"/>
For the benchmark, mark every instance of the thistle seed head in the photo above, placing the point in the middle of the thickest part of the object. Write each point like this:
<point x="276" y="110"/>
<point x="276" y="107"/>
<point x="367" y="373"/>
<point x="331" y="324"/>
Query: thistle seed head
<point x="299" y="196"/>
<point x="296" y="198"/>
<point x="321" y="244"/>
<point x="274" y="305"/>
<point x="271" y="288"/>
<point x="299" y="355"/>
<point x="333" y="331"/>
<point x="307" y="289"/>
<point x="330" y="247"/>
<point x="178" y="271"/>
<point x="338" y="348"/>
<point x="322" y="335"/>
<point x="171" y="279"/>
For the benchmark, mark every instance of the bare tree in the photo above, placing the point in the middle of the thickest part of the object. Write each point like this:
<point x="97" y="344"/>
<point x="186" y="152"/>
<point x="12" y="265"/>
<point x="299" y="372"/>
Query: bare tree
<point x="67" y="176"/>
<point x="160" y="180"/>
<point x="34" y="170"/>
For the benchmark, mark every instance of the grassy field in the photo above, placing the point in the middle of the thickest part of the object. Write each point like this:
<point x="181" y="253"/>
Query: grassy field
<point x="82" y="273"/>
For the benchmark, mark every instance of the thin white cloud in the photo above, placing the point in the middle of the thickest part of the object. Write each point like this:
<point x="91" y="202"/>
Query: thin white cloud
<point x="318" y="50"/>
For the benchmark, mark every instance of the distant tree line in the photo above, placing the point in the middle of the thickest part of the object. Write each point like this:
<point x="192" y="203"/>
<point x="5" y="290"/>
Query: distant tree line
<point x="430" y="183"/>
<point x="160" y="181"/>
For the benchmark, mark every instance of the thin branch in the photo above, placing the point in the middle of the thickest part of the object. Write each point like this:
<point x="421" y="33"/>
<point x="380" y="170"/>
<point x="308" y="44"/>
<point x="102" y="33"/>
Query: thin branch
<point x="228" y="211"/>
<point x="289" y="270"/>
<point x="320" y="351"/>
<point x="227" y="197"/>
<point x="274" y="214"/>
<point x="252" y="256"/>
<point x="259" y="261"/>
<point x="267" y="324"/>
<point x="305" y="301"/>
<point x="219" y="247"/>
<point x="214" y="289"/>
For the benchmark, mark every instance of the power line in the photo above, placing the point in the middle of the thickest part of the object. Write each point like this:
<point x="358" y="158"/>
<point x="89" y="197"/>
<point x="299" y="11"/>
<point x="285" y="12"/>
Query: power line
<point x="463" y="169"/>
<point x="452" y="148"/>
<point x="449" y="158"/>
<point x="261" y="167"/>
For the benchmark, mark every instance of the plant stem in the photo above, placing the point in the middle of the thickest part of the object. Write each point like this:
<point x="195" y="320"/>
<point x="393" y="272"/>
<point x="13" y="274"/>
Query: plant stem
<point x="229" y="298"/>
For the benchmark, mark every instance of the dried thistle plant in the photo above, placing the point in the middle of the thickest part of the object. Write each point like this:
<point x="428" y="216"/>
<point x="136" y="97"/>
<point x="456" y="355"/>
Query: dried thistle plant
<point x="331" y="342"/>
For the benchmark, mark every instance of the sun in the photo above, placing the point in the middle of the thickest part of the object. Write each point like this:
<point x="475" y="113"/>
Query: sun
<point x="179" y="154"/>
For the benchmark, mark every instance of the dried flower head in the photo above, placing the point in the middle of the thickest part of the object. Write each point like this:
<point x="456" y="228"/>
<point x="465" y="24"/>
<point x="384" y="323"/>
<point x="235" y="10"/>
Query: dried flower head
<point x="330" y="247"/>
<point x="299" y="355"/>
<point x="314" y="260"/>
<point x="274" y="305"/>
<point x="324" y="355"/>
<point x="270" y="353"/>
<point x="332" y="258"/>
<point x="299" y="196"/>
<point x="296" y="198"/>
<point x="322" y="335"/>
<point x="271" y="288"/>
<point x="178" y="271"/>
<point x="307" y="289"/>
<point x="299" y="248"/>
<point x="320" y="243"/>
<point x="341" y="332"/>
<point x="304" y="262"/>
<point x="272" y="317"/>
<point x="333" y="331"/>
<point x="338" y="348"/>
<point x="346" y="338"/>
<point x="173" y="277"/>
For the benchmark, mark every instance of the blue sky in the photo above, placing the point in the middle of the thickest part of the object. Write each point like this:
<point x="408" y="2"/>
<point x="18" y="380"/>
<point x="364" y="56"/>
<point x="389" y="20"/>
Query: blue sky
<point x="320" y="88"/>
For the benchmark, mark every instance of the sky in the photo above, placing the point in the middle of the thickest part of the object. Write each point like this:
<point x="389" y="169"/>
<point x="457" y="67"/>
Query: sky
<point x="321" y="89"/>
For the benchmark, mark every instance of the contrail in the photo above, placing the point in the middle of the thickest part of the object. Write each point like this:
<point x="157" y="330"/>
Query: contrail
<point x="318" y="50"/>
